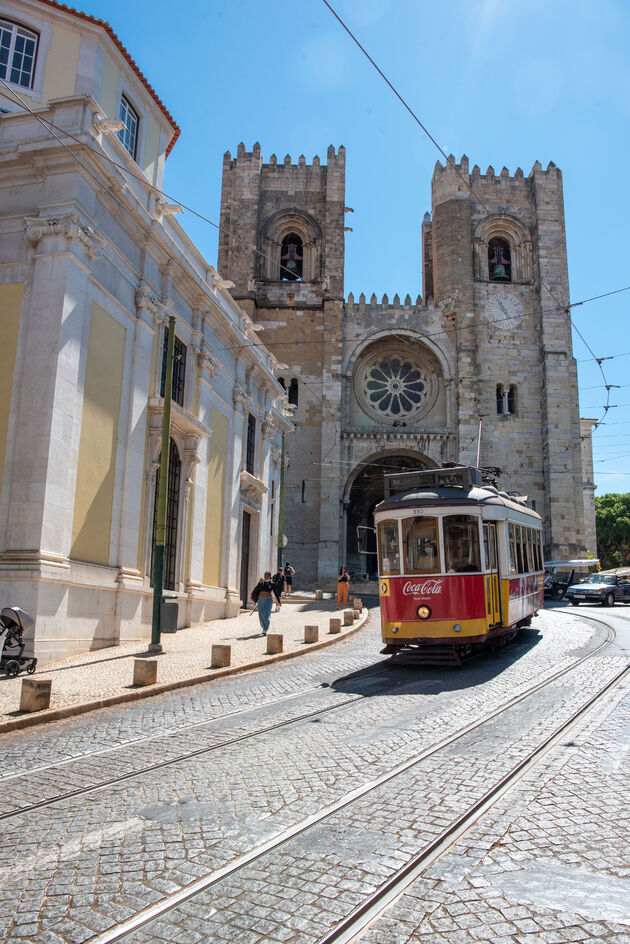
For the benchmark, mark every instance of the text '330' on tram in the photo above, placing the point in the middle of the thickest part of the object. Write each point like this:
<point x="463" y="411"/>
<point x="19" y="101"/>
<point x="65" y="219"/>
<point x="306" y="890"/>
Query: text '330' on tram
<point x="460" y="564"/>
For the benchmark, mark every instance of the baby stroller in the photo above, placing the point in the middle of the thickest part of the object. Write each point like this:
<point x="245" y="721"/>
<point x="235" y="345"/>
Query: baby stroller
<point x="13" y="623"/>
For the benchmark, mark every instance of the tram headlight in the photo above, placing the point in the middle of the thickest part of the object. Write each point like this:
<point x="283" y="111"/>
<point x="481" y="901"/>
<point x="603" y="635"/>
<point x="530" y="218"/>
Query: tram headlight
<point x="457" y="628"/>
<point x="394" y="629"/>
<point x="424" y="612"/>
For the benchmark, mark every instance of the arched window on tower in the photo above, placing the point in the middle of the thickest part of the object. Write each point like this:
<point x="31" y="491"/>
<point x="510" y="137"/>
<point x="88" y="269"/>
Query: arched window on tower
<point x="291" y="257"/>
<point x="512" y="399"/>
<point x="282" y="383"/>
<point x="293" y="392"/>
<point x="500" y="399"/>
<point x="499" y="260"/>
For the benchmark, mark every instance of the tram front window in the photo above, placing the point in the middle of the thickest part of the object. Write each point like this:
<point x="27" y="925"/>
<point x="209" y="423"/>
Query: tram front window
<point x="388" y="546"/>
<point x="461" y="544"/>
<point x="421" y="546"/>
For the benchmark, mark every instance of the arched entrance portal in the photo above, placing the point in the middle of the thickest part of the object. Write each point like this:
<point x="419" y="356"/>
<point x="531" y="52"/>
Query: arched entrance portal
<point x="366" y="491"/>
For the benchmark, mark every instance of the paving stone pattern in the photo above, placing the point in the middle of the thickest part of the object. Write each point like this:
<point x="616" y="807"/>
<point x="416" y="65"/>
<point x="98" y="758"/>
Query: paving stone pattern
<point x="71" y="869"/>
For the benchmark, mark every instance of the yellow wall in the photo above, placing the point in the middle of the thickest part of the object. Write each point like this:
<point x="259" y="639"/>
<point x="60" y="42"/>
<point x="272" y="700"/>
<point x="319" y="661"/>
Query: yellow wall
<point x="143" y="504"/>
<point x="62" y="64"/>
<point x="109" y="89"/>
<point x="217" y="465"/>
<point x="91" y="525"/>
<point x="10" y="310"/>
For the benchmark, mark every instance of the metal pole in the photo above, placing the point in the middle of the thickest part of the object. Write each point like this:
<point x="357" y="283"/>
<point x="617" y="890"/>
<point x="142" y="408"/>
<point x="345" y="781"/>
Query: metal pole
<point x="479" y="445"/>
<point x="280" y="502"/>
<point x="160" y="525"/>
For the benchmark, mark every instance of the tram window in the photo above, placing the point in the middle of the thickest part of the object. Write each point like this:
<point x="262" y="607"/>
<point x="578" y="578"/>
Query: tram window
<point x="421" y="546"/>
<point x="512" y="542"/>
<point x="531" y="557"/>
<point x="461" y="543"/>
<point x="519" y="549"/>
<point x="489" y="548"/>
<point x="388" y="547"/>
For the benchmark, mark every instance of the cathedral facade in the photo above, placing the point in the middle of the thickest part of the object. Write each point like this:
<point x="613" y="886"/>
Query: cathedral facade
<point x="479" y="370"/>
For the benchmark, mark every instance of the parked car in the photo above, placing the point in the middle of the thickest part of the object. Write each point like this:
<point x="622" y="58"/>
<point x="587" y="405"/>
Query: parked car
<point x="606" y="589"/>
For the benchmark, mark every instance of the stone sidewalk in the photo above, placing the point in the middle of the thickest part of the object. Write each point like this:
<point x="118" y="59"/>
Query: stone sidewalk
<point x="105" y="677"/>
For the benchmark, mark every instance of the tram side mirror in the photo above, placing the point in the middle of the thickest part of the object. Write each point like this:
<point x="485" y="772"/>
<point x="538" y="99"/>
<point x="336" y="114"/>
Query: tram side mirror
<point x="363" y="537"/>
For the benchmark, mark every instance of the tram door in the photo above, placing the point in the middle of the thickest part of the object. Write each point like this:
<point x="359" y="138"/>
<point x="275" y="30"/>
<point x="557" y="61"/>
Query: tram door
<point x="493" y="597"/>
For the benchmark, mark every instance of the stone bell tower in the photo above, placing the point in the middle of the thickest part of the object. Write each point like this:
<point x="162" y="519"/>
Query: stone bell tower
<point x="494" y="254"/>
<point x="282" y="244"/>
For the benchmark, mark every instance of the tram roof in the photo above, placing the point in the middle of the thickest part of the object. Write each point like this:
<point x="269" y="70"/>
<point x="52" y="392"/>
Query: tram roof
<point x="454" y="495"/>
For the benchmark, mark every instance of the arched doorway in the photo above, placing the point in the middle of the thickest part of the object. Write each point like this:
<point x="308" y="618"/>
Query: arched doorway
<point x="366" y="491"/>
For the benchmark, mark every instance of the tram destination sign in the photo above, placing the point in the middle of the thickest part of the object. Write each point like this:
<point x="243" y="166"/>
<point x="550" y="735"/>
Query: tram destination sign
<point x="464" y="476"/>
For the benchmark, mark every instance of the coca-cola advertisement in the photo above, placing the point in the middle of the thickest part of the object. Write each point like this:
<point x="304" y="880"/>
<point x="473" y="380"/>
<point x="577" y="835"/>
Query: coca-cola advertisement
<point x="447" y="597"/>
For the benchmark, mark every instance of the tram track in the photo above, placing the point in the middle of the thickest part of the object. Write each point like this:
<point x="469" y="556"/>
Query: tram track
<point x="182" y="757"/>
<point x="374" y="904"/>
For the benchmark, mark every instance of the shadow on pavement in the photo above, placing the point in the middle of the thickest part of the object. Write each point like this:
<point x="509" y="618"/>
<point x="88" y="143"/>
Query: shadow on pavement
<point x="389" y="678"/>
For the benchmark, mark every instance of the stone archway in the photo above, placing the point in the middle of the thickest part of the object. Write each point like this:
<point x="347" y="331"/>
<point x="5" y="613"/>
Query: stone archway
<point x="365" y="492"/>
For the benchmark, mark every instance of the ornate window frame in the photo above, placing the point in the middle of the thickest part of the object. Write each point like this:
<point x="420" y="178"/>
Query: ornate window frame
<point x="516" y="235"/>
<point x="395" y="386"/>
<point x="278" y="226"/>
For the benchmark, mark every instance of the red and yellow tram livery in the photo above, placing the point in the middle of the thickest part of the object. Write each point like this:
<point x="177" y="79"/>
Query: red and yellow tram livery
<point x="460" y="564"/>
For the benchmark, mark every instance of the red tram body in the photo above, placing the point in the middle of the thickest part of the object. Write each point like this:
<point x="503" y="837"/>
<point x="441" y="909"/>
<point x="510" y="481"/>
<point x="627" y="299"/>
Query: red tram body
<point x="460" y="564"/>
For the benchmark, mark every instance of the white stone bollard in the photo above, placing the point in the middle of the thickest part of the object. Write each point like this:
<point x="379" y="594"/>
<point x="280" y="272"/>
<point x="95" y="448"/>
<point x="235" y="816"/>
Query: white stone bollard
<point x="335" y="625"/>
<point x="221" y="657"/>
<point x="274" y="643"/>
<point x="35" y="694"/>
<point x="311" y="633"/>
<point x="144" y="671"/>
<point x="348" y="617"/>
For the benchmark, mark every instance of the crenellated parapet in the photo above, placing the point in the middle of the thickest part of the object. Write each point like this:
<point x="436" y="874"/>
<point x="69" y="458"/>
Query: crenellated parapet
<point x="384" y="307"/>
<point x="455" y="180"/>
<point x="335" y="159"/>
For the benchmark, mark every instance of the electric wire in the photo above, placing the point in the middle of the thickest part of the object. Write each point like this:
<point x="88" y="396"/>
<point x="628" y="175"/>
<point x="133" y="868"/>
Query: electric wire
<point x="559" y="306"/>
<point x="467" y="184"/>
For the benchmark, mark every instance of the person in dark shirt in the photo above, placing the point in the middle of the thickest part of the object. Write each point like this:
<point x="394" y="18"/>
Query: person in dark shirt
<point x="289" y="573"/>
<point x="279" y="584"/>
<point x="263" y="594"/>
<point x="343" y="586"/>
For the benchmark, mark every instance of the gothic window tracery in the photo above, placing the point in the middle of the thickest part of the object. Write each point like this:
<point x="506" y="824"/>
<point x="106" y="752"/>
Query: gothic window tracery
<point x="396" y="383"/>
<point x="293" y="392"/>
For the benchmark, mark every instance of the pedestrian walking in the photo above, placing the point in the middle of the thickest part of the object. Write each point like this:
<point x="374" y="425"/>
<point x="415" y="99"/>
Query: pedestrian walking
<point x="279" y="584"/>
<point x="288" y="576"/>
<point x="343" y="585"/>
<point x="263" y="594"/>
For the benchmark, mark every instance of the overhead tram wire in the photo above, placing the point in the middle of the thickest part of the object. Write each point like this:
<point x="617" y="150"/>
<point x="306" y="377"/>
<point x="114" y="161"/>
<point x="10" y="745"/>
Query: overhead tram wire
<point x="50" y="126"/>
<point x="466" y="182"/>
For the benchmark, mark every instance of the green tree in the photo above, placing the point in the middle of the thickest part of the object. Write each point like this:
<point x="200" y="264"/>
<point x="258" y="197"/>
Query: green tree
<point x="612" y="514"/>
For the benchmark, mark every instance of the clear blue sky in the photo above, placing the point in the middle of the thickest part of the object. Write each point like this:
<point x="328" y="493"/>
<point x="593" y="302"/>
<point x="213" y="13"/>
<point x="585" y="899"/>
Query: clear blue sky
<point x="507" y="82"/>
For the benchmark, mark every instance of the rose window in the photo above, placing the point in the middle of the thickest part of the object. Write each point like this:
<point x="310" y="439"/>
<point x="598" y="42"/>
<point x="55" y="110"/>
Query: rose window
<point x="395" y="386"/>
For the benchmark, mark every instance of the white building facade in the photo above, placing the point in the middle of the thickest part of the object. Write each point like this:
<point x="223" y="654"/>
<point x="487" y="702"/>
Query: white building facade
<point x="92" y="264"/>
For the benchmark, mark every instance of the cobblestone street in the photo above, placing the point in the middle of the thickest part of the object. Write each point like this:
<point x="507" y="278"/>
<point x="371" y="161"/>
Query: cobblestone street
<point x="354" y="766"/>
